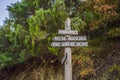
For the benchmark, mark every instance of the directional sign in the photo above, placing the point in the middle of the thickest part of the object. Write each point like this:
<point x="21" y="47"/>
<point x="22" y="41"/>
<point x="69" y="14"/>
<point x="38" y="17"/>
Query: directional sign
<point x="70" y="38"/>
<point x="83" y="0"/>
<point x="72" y="32"/>
<point x="70" y="44"/>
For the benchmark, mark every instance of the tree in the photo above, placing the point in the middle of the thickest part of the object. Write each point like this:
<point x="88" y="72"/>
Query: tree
<point x="32" y="24"/>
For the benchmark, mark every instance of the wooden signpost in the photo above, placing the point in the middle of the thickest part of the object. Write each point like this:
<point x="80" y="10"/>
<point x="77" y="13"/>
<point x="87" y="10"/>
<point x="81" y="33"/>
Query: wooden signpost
<point x="67" y="42"/>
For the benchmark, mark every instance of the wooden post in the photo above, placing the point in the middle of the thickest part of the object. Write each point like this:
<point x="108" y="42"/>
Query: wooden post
<point x="68" y="62"/>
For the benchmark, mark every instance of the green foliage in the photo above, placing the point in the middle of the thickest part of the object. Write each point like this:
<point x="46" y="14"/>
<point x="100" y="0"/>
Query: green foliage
<point x="114" y="33"/>
<point x="5" y="59"/>
<point x="78" y="24"/>
<point x="23" y="56"/>
<point x="35" y="23"/>
<point x="114" y="67"/>
<point x="88" y="16"/>
<point x="54" y="50"/>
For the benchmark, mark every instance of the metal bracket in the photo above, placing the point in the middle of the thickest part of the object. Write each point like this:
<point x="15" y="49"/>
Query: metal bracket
<point x="64" y="59"/>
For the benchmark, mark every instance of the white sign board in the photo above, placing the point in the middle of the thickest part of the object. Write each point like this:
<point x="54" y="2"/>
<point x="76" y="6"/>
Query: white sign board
<point x="83" y="0"/>
<point x="70" y="44"/>
<point x="70" y="38"/>
<point x="72" y="32"/>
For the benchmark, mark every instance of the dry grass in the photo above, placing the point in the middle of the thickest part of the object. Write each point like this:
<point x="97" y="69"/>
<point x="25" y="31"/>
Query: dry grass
<point x="41" y="73"/>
